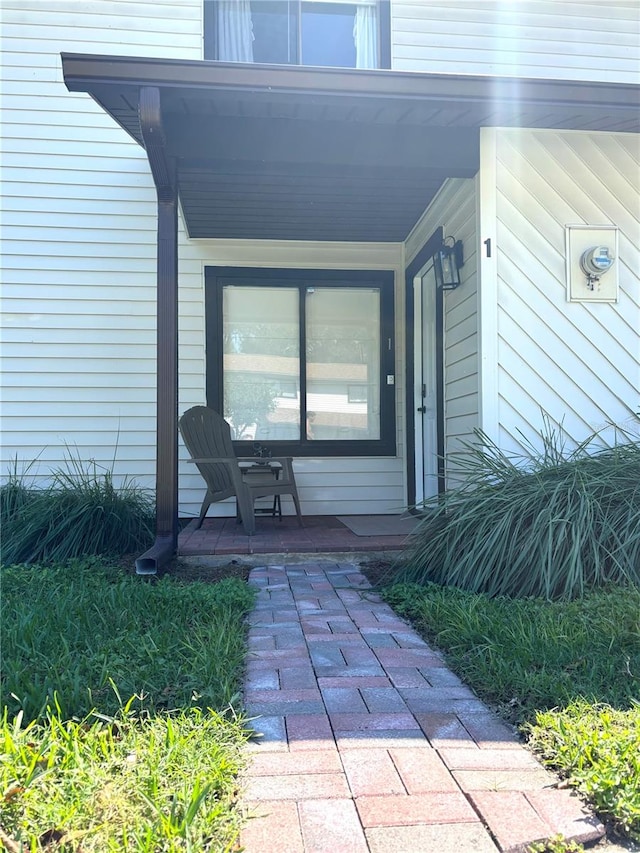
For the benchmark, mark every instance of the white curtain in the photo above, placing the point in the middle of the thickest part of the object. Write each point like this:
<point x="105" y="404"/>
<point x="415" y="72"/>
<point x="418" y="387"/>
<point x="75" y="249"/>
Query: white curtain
<point x="365" y="36"/>
<point x="234" y="30"/>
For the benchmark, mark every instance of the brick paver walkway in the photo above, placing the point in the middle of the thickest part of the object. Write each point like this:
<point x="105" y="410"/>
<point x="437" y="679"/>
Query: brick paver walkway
<point x="367" y="742"/>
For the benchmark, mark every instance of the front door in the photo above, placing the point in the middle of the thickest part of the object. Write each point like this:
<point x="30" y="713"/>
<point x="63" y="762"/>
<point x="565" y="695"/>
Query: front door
<point x="425" y="388"/>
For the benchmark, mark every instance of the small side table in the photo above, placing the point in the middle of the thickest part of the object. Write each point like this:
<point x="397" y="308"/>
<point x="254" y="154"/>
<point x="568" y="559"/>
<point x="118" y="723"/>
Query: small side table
<point x="259" y="472"/>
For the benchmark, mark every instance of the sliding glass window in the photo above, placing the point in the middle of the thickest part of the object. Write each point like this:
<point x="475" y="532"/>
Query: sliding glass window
<point x="336" y="33"/>
<point x="302" y="361"/>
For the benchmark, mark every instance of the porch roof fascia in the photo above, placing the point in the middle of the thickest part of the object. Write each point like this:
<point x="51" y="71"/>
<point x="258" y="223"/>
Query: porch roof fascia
<point x="82" y="72"/>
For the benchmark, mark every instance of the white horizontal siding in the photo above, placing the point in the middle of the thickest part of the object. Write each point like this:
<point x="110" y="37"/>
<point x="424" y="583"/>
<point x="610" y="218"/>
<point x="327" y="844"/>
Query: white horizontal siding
<point x="99" y="26"/>
<point x="329" y="486"/>
<point x="79" y="268"/>
<point x="78" y="242"/>
<point x="577" y="362"/>
<point x="565" y="39"/>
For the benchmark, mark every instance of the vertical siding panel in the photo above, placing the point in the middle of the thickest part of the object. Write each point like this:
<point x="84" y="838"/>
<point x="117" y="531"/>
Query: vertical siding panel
<point x="577" y="362"/>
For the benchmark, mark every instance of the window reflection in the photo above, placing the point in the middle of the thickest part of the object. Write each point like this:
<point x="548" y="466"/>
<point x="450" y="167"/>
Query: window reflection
<point x="262" y="363"/>
<point x="261" y="377"/>
<point x="343" y="352"/>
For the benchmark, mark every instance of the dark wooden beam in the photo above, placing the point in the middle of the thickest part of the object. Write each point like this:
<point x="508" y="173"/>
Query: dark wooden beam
<point x="164" y="176"/>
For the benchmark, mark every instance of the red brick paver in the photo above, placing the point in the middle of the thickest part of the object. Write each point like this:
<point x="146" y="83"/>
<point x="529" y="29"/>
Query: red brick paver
<point x="366" y="742"/>
<point x="320" y="534"/>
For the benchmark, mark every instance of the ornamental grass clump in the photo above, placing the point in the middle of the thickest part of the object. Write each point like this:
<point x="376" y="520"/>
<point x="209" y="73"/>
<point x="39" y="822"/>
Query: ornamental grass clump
<point x="79" y="513"/>
<point x="549" y="525"/>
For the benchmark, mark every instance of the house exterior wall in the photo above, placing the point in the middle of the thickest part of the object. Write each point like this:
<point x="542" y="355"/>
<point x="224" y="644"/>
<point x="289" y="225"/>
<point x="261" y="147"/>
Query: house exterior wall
<point x="455" y="209"/>
<point x="79" y="242"/>
<point x="79" y="259"/>
<point x="577" y="362"/>
<point x="564" y="39"/>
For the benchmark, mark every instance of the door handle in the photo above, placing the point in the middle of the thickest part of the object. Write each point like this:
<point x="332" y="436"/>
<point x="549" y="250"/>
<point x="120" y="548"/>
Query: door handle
<point x="422" y="409"/>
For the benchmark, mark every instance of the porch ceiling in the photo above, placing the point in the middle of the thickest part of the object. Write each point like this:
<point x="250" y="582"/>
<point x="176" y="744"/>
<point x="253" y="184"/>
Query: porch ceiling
<point x="279" y="152"/>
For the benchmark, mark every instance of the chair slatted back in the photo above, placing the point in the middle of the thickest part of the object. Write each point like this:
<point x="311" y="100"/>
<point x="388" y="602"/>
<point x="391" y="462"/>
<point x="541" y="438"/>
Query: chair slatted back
<point x="206" y="434"/>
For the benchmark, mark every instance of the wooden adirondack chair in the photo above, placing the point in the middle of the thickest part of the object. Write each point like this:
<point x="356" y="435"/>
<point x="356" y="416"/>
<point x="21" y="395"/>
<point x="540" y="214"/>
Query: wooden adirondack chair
<point x="207" y="437"/>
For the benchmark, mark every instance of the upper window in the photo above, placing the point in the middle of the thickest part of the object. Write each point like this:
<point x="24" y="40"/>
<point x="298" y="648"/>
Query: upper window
<point x="334" y="33"/>
<point x="298" y="361"/>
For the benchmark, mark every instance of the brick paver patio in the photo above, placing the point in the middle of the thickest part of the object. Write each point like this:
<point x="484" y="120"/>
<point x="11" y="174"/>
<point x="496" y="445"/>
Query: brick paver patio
<point x="365" y="741"/>
<point x="321" y="534"/>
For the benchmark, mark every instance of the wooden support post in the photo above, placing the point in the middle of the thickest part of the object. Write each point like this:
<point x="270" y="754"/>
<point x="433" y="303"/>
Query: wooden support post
<point x="164" y="176"/>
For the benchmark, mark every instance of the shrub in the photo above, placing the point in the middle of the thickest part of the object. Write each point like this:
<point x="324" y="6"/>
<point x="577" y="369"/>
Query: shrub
<point x="80" y="513"/>
<point x="548" y="525"/>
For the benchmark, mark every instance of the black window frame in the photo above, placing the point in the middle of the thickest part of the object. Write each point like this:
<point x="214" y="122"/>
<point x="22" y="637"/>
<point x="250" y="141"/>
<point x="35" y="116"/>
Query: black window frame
<point x="217" y="277"/>
<point x="384" y="32"/>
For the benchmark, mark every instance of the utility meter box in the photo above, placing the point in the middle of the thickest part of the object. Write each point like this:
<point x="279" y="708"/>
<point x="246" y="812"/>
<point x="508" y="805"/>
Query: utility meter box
<point x="592" y="263"/>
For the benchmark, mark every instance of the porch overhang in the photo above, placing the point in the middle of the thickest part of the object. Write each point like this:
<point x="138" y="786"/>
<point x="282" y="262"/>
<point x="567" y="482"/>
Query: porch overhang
<point x="289" y="152"/>
<point x="295" y="153"/>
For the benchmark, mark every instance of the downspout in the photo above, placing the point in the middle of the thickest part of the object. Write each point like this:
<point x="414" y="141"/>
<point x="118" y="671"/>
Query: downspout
<point x="164" y="176"/>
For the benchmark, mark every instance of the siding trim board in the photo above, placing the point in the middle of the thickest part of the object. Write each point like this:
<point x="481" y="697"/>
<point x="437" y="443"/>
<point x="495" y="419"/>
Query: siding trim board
<point x="488" y="286"/>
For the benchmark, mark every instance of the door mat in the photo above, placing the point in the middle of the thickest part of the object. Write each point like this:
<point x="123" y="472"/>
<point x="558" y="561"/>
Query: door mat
<point x="380" y="525"/>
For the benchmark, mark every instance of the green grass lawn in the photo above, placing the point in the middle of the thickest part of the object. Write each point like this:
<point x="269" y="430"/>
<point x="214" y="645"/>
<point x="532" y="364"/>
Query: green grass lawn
<point x="119" y="731"/>
<point x="566" y="672"/>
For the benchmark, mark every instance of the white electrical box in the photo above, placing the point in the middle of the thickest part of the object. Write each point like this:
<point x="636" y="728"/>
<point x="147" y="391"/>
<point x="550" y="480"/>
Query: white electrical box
<point x="592" y="263"/>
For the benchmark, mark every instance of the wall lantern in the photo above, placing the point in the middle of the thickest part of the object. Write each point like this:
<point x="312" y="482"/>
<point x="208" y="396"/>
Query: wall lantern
<point x="447" y="262"/>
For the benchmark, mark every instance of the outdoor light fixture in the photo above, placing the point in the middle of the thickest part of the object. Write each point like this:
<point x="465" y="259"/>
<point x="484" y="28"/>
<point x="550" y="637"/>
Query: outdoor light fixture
<point x="447" y="262"/>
